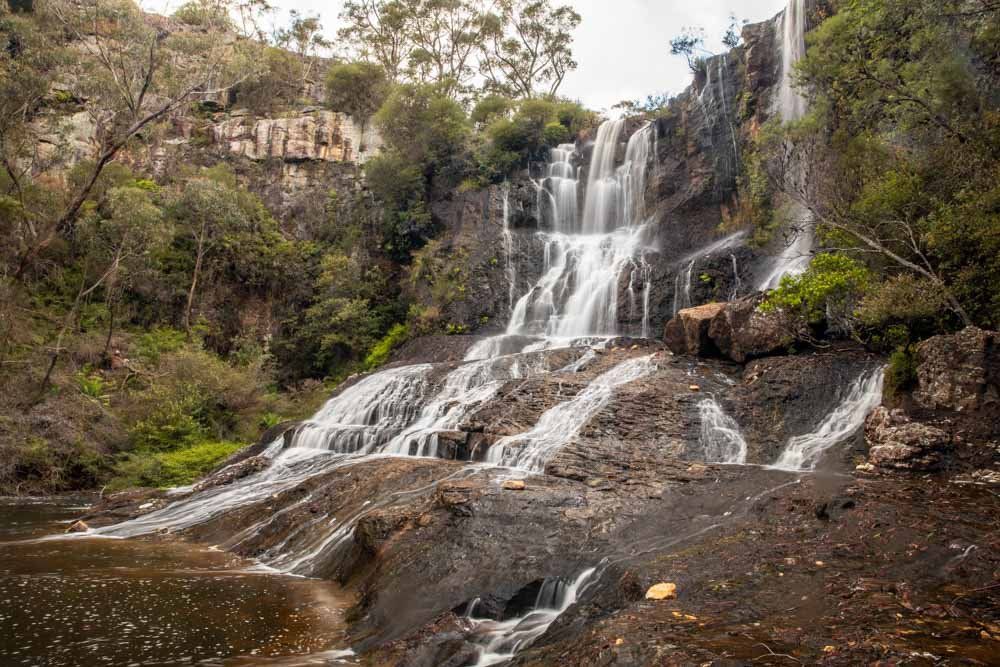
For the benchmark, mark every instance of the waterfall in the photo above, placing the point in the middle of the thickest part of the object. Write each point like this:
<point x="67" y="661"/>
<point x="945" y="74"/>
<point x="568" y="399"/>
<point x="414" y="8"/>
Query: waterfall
<point x="790" y="106"/>
<point x="501" y="640"/>
<point x="510" y="267"/>
<point x="601" y="206"/>
<point x="721" y="440"/>
<point x="803" y="452"/>
<point x="577" y="293"/>
<point x="530" y="451"/>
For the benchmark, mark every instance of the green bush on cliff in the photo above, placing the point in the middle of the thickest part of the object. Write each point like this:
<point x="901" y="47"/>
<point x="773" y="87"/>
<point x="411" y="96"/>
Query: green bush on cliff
<point x="828" y="290"/>
<point x="397" y="335"/>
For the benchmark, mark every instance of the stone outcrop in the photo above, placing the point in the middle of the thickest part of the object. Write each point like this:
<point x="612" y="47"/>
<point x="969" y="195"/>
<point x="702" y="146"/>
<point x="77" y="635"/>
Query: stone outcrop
<point x="738" y="330"/>
<point x="741" y="331"/>
<point x="897" y="442"/>
<point x="687" y="333"/>
<point x="960" y="372"/>
<point x="312" y="134"/>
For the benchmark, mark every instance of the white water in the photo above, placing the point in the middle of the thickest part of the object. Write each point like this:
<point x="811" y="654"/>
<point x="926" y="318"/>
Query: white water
<point x="530" y="451"/>
<point x="501" y="640"/>
<point x="401" y="411"/>
<point x="509" y="249"/>
<point x="684" y="277"/>
<point x="791" y="105"/>
<point x="804" y="452"/>
<point x="721" y="440"/>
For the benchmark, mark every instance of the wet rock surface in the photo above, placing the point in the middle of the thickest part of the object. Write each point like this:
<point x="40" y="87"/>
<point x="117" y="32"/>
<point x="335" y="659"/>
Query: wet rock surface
<point x="765" y="562"/>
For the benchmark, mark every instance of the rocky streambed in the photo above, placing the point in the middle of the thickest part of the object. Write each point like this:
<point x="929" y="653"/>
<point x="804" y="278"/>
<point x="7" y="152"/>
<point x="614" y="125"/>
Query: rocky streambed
<point x="845" y="563"/>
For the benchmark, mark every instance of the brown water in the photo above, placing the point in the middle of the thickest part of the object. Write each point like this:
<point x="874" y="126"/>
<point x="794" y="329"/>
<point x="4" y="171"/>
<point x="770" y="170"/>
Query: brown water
<point x="88" y="601"/>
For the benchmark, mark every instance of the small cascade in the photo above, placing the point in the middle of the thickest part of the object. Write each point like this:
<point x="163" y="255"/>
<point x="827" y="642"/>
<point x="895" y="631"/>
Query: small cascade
<point x="803" y="452"/>
<point x="368" y="414"/>
<point x="562" y="188"/>
<point x="530" y="451"/>
<point x="467" y="386"/>
<point x="684" y="278"/>
<point x="721" y="440"/>
<point x="509" y="249"/>
<point x="737" y="282"/>
<point x="501" y="640"/>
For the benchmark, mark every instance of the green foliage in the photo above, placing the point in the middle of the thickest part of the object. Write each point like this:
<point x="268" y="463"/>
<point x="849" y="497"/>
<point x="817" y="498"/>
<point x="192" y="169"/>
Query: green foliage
<point x="829" y="288"/>
<point x="904" y="140"/>
<point x="275" y="84"/>
<point x="901" y="374"/>
<point x="357" y="88"/>
<point x="491" y="108"/>
<point x="401" y="187"/>
<point x="423" y="125"/>
<point x="204" y="14"/>
<point x="92" y="385"/>
<point x="269" y="420"/>
<point x="379" y="354"/>
<point x="168" y="469"/>
<point x="555" y="133"/>
<point x="151" y="345"/>
<point x="537" y="125"/>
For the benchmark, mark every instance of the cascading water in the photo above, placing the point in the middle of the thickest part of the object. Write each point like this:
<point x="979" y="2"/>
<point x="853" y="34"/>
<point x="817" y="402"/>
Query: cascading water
<point x="501" y="640"/>
<point x="586" y="257"/>
<point x="400" y="411"/>
<point x="721" y="440"/>
<point x="791" y="105"/>
<point x="803" y="452"/>
<point x="530" y="451"/>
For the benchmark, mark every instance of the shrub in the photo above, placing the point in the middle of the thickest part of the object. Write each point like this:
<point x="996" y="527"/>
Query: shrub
<point x="901" y="375"/>
<point x="379" y="354"/>
<point x="827" y="290"/>
<point x="167" y="469"/>
<point x="555" y="134"/>
<point x="358" y="89"/>
<point x="491" y="108"/>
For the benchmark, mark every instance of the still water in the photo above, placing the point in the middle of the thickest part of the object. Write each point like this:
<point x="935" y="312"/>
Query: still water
<point x="89" y="601"/>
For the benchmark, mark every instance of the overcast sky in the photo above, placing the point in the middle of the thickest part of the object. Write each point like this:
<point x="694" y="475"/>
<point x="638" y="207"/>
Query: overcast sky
<point x="622" y="45"/>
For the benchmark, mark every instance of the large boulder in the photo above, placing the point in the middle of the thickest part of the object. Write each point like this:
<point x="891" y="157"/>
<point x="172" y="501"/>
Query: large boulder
<point x="959" y="372"/>
<point x="741" y="331"/>
<point x="897" y="442"/>
<point x="687" y="332"/>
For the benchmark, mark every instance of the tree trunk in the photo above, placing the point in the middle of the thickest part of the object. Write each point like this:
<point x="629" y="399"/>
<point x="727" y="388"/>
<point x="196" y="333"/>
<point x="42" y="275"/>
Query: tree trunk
<point x="199" y="255"/>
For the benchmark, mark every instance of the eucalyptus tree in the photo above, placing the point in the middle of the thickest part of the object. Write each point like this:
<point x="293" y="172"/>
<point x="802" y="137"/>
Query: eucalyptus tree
<point x="528" y="50"/>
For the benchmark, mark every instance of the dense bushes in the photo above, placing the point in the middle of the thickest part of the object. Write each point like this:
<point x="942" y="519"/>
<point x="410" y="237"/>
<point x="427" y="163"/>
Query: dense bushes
<point x="902" y="145"/>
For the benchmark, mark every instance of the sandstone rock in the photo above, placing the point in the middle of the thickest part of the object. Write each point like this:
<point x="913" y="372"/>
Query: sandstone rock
<point x="662" y="591"/>
<point x="959" y="372"/>
<point x="78" y="527"/>
<point x="741" y="331"/>
<point x="897" y="442"/>
<point x="514" y="485"/>
<point x="322" y="135"/>
<point x="687" y="333"/>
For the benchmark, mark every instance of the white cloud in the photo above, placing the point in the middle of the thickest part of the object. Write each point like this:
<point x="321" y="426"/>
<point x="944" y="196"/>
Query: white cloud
<point x="622" y="45"/>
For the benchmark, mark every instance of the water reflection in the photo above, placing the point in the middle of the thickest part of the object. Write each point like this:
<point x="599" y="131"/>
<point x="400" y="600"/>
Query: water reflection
<point x="134" y="602"/>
